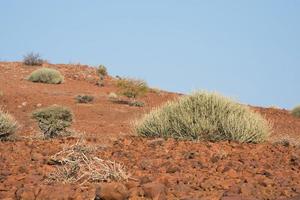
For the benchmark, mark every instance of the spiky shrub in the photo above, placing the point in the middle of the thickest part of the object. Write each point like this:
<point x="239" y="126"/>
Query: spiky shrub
<point x="53" y="120"/>
<point x="204" y="116"/>
<point x="8" y="125"/>
<point x="46" y="75"/>
<point x="132" y="88"/>
<point x="33" y="59"/>
<point x="84" y="98"/>
<point x="296" y="111"/>
<point x="101" y="70"/>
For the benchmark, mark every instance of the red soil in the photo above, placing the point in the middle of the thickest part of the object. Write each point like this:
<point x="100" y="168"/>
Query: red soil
<point x="185" y="170"/>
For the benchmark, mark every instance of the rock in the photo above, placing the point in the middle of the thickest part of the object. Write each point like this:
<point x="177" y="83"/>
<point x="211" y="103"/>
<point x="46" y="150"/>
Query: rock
<point x="111" y="191"/>
<point x="155" y="142"/>
<point x="24" y="103"/>
<point x="144" y="180"/>
<point x="38" y="105"/>
<point x="155" y="191"/>
<point x="172" y="169"/>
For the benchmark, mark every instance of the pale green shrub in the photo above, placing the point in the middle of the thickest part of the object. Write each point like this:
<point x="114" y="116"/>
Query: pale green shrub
<point x="46" y="75"/>
<point x="53" y="120"/>
<point x="132" y="88"/>
<point x="204" y="116"/>
<point x="8" y="125"/>
<point x="296" y="111"/>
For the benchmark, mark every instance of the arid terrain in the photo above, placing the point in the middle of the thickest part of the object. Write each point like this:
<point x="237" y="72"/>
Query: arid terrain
<point x="159" y="169"/>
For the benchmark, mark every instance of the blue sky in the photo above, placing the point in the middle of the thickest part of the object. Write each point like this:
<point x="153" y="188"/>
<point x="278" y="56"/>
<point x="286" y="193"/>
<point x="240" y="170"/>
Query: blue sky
<point x="249" y="50"/>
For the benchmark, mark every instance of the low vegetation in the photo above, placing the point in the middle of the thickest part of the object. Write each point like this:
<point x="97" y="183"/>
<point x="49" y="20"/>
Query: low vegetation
<point x="136" y="103"/>
<point x="101" y="72"/>
<point x="296" y="111"/>
<point x="78" y="164"/>
<point x="204" y="116"/>
<point x="53" y="120"/>
<point x="46" y="75"/>
<point x="8" y="125"/>
<point x="33" y="59"/>
<point x="132" y="88"/>
<point x="84" y="98"/>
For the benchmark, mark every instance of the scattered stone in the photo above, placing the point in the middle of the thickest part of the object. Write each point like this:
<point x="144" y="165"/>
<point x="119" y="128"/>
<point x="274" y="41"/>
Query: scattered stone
<point x="111" y="191"/>
<point x="155" y="142"/>
<point x="155" y="191"/>
<point x="24" y="103"/>
<point x="172" y="169"/>
<point x="38" y="105"/>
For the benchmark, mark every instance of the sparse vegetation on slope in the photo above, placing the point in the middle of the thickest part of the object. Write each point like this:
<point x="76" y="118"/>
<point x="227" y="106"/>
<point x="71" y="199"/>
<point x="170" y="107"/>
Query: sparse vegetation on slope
<point x="204" y="116"/>
<point x="8" y="125"/>
<point x="46" y="75"/>
<point x="84" y="98"/>
<point x="33" y="59"/>
<point x="53" y="120"/>
<point x="132" y="88"/>
<point x="296" y="111"/>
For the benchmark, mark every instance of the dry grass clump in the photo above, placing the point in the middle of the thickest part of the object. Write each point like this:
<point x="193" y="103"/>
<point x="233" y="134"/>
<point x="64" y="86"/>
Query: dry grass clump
<point x="78" y="164"/>
<point x="84" y="98"/>
<point x="296" y="111"/>
<point x="132" y="88"/>
<point x="33" y="59"/>
<point x="46" y="75"/>
<point x="204" y="116"/>
<point x="101" y="70"/>
<point x="8" y="125"/>
<point x="53" y="120"/>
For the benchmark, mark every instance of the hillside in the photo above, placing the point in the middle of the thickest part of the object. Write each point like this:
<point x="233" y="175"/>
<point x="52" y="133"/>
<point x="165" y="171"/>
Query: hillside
<point x="159" y="169"/>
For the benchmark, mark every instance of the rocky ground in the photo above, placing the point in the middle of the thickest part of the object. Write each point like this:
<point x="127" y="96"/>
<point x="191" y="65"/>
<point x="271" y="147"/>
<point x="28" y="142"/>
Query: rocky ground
<point x="159" y="169"/>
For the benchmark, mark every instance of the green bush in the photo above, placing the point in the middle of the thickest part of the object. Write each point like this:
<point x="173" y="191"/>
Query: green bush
<point x="33" y="59"/>
<point x="8" y="125"/>
<point x="132" y="88"/>
<point x="204" y="116"/>
<point x="296" y="111"/>
<point x="53" y="120"/>
<point x="46" y="75"/>
<point x="84" y="98"/>
<point x="101" y="70"/>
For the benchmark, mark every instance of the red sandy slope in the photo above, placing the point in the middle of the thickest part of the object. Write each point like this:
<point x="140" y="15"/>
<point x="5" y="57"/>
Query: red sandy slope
<point x="184" y="170"/>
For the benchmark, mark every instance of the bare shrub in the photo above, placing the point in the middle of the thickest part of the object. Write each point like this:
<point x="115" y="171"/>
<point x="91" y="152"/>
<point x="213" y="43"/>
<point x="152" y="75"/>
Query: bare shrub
<point x="33" y="59"/>
<point x="78" y="164"/>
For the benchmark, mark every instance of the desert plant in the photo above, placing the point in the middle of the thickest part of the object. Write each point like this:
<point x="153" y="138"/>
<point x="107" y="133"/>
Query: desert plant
<point x="46" y="75"/>
<point x="8" y="125"/>
<point x="204" y="116"/>
<point x="84" y="98"/>
<point x="53" y="120"/>
<point x="112" y="96"/>
<point x="101" y="70"/>
<point x="78" y="164"/>
<point x="132" y="88"/>
<point x="296" y="111"/>
<point x="32" y="59"/>
<point x="136" y="103"/>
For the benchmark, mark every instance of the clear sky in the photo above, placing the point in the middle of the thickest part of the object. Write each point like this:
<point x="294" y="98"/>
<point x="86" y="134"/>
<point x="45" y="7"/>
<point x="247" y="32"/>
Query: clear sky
<point x="246" y="49"/>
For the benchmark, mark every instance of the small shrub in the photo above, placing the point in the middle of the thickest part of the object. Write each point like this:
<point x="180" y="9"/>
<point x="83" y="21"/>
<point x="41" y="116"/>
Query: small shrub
<point x="32" y="59"/>
<point x="84" y="98"/>
<point x="204" y="116"/>
<point x="8" y="125"/>
<point x="53" y="120"/>
<point x="132" y="88"/>
<point x="46" y="75"/>
<point x="296" y="111"/>
<point x="101" y="70"/>
<point x="113" y="96"/>
<point x="136" y="103"/>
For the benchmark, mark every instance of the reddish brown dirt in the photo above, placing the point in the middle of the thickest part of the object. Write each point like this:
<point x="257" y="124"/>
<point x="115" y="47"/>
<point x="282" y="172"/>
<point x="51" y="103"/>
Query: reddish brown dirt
<point x="187" y="170"/>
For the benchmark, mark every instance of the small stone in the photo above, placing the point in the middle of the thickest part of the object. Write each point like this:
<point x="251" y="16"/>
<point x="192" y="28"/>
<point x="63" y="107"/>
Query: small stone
<point x="38" y="105"/>
<point x="155" y="142"/>
<point x="111" y="191"/>
<point x="172" y="169"/>
<point x="24" y="103"/>
<point x="155" y="191"/>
